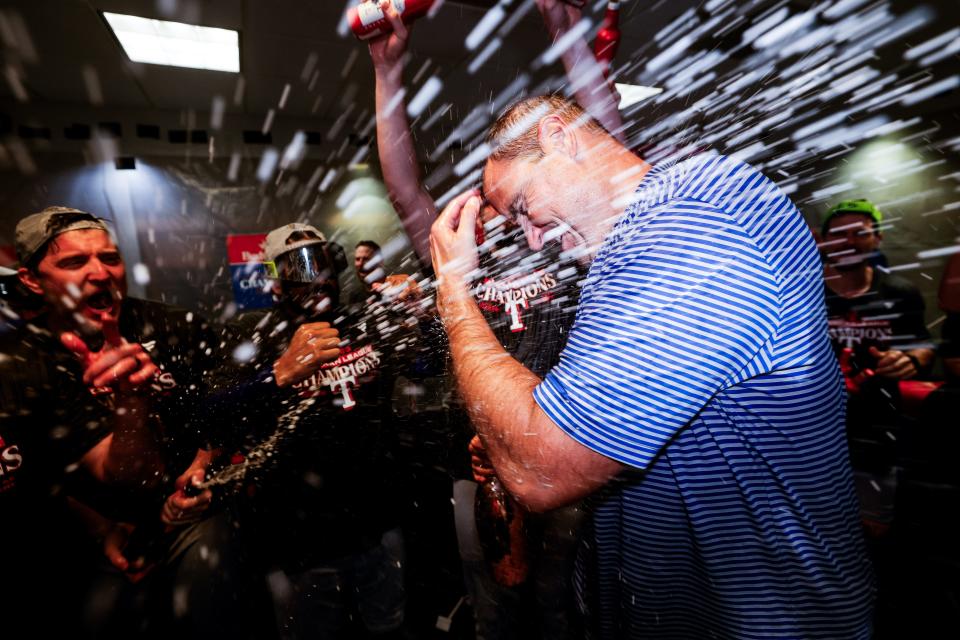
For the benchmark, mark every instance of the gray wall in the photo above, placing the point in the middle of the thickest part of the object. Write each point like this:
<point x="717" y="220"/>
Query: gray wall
<point x="173" y="214"/>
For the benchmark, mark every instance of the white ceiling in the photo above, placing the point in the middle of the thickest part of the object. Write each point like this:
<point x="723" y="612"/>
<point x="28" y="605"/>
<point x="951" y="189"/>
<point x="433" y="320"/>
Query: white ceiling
<point x="67" y="41"/>
<point x="277" y="38"/>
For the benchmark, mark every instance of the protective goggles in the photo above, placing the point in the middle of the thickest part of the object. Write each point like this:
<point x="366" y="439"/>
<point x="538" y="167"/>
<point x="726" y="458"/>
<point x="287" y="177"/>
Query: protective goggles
<point x="304" y="264"/>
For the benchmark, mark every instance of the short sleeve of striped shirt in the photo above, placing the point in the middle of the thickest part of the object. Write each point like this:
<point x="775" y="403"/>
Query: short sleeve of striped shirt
<point x="680" y="304"/>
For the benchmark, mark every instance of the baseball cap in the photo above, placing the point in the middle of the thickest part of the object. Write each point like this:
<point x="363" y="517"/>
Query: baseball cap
<point x="36" y="229"/>
<point x="276" y="244"/>
<point x="860" y="205"/>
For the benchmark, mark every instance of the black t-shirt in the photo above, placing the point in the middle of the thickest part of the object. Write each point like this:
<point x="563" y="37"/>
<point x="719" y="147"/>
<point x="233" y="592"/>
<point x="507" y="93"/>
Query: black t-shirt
<point x="49" y="418"/>
<point x="889" y="315"/>
<point x="528" y="298"/>
<point x="329" y="486"/>
<point x="48" y="421"/>
<point x="950" y="337"/>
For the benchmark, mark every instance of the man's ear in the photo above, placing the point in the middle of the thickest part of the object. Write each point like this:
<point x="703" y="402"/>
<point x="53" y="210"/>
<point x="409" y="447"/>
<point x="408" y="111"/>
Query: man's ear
<point x="29" y="280"/>
<point x="555" y="135"/>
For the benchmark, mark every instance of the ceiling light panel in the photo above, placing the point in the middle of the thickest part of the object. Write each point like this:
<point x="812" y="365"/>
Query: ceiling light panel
<point x="176" y="44"/>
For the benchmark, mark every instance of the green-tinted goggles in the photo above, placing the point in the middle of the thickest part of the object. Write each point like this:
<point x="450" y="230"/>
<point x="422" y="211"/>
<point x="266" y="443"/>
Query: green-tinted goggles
<point x="305" y="265"/>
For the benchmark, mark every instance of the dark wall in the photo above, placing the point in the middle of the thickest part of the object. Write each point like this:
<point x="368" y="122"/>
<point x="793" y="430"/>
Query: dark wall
<point x="173" y="215"/>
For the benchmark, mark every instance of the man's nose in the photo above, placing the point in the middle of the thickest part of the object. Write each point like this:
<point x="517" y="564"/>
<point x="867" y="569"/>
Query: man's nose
<point x="97" y="271"/>
<point x="533" y="234"/>
<point x="535" y="239"/>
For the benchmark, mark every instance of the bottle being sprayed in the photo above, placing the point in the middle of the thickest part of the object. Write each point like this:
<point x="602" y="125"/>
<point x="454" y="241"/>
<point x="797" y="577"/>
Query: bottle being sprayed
<point x="855" y="376"/>
<point x="608" y="37"/>
<point x="501" y="525"/>
<point x="144" y="547"/>
<point x="367" y="19"/>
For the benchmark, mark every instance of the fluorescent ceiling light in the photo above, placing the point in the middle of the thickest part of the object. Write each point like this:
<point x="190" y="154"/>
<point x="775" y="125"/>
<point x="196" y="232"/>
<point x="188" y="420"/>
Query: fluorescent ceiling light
<point x="631" y="94"/>
<point x="176" y="44"/>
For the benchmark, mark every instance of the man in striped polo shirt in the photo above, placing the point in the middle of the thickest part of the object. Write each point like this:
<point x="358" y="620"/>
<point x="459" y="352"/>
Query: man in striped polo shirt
<point x="697" y="403"/>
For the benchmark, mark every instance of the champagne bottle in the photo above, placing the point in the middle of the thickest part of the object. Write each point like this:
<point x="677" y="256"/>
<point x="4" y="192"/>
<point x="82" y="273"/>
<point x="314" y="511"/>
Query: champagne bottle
<point x="367" y="19"/>
<point x="145" y="544"/>
<point x="501" y="525"/>
<point x="608" y="37"/>
<point x="854" y="375"/>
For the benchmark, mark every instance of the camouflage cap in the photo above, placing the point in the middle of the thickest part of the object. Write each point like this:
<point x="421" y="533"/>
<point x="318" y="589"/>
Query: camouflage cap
<point x="36" y="229"/>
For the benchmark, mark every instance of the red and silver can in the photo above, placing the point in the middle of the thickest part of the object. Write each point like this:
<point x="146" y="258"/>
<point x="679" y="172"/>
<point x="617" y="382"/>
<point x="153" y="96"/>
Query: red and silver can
<point x="367" y="20"/>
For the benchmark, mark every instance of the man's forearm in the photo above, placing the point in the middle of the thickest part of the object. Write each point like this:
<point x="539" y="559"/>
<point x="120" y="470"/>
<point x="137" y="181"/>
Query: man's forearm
<point x="497" y="389"/>
<point x="398" y="160"/>
<point x="591" y="88"/>
<point x="539" y="464"/>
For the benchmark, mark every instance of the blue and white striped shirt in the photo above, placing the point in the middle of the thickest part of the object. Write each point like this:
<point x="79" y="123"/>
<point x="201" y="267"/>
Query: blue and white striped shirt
<point x="700" y="359"/>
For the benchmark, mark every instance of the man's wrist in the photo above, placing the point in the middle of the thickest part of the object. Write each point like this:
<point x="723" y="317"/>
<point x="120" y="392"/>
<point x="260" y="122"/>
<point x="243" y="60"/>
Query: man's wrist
<point x="390" y="74"/>
<point x="278" y="377"/>
<point x="453" y="300"/>
<point x="453" y="287"/>
<point x="575" y="54"/>
<point x="915" y="360"/>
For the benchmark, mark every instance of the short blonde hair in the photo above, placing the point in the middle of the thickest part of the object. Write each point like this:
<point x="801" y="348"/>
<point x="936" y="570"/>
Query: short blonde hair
<point x="515" y="133"/>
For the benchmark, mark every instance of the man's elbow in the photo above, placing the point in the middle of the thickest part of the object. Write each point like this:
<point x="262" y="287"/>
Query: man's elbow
<point x="539" y="502"/>
<point x="544" y="490"/>
<point x="538" y="496"/>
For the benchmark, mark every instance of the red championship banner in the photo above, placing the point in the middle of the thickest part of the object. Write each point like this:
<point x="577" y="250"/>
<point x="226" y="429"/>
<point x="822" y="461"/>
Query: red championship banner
<point x="250" y="285"/>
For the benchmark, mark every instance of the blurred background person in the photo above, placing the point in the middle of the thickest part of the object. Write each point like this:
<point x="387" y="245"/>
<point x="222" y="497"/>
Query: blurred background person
<point x="877" y="329"/>
<point x="368" y="265"/>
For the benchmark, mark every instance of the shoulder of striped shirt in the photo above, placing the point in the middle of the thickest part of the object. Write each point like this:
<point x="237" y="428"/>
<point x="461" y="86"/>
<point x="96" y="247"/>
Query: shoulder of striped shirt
<point x="663" y="183"/>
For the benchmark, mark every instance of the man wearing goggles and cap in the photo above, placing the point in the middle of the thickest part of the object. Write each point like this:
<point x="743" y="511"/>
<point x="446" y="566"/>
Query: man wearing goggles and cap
<point x="327" y="507"/>
<point x="302" y="267"/>
<point x="303" y="259"/>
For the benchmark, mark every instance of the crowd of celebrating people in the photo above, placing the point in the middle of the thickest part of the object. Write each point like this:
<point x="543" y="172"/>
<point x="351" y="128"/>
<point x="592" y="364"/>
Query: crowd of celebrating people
<point x="701" y="407"/>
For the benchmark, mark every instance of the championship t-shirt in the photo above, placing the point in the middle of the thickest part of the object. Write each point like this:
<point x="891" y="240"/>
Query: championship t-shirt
<point x="46" y="403"/>
<point x="700" y="360"/>
<point x="529" y="298"/>
<point x="321" y="454"/>
<point x="48" y="421"/>
<point x="889" y="315"/>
